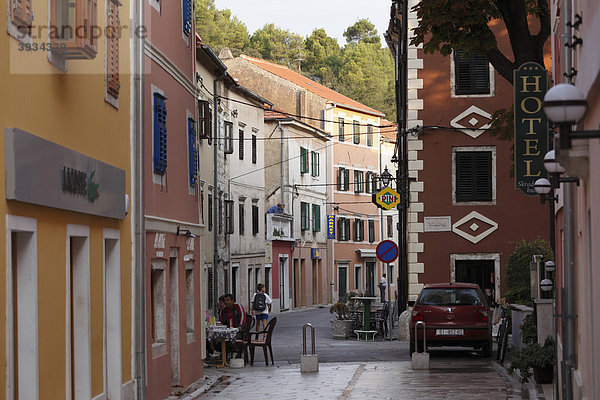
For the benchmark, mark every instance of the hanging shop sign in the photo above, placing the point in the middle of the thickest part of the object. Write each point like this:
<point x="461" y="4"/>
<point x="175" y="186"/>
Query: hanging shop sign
<point x="331" y="227"/>
<point x="531" y="126"/>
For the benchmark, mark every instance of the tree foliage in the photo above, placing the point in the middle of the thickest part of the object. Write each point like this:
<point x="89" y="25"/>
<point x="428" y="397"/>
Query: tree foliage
<point x="278" y="45"/>
<point x="362" y="31"/>
<point x="323" y="57"/>
<point x="517" y="269"/>
<point x="220" y="28"/>
<point x="468" y="24"/>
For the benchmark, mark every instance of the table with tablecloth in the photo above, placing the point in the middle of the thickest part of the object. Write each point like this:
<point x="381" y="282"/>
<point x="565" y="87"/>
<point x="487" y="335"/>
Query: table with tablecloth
<point x="222" y="334"/>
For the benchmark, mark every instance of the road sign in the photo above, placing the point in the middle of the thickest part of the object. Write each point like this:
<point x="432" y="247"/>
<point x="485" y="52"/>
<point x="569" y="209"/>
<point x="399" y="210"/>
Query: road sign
<point x="387" y="251"/>
<point x="387" y="198"/>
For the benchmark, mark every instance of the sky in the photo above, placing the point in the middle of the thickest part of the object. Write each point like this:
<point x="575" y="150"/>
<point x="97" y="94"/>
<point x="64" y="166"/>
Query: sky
<point x="304" y="16"/>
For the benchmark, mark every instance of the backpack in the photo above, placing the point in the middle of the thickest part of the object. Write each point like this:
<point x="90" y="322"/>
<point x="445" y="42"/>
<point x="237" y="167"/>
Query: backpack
<point x="260" y="302"/>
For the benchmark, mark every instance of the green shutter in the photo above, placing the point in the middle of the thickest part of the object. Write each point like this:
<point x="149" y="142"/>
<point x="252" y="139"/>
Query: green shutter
<point x="316" y="216"/>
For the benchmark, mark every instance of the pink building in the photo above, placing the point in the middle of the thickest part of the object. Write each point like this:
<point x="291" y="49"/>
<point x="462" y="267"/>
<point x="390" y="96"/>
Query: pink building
<point x="173" y="320"/>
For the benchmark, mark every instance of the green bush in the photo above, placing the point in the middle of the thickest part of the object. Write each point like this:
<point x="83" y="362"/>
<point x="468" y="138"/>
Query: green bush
<point x="533" y="356"/>
<point x="517" y="269"/>
<point x="529" y="329"/>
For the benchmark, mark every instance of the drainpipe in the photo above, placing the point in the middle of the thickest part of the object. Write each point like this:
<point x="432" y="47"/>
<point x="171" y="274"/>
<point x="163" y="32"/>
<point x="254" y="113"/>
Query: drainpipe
<point x="139" y="239"/>
<point x="216" y="190"/>
<point x="281" y="165"/>
<point x="568" y="309"/>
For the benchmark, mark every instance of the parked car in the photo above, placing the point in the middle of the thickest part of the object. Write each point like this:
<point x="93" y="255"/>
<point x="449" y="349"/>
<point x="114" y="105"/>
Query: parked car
<point x="455" y="314"/>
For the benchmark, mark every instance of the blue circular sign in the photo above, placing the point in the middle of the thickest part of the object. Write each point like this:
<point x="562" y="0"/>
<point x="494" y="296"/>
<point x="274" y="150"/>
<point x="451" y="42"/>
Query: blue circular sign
<point x="387" y="251"/>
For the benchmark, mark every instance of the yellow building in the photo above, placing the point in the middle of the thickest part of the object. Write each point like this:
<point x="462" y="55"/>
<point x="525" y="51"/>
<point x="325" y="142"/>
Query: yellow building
<point x="66" y="291"/>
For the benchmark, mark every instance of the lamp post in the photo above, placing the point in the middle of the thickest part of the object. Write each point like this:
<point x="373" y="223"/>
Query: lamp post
<point x="386" y="177"/>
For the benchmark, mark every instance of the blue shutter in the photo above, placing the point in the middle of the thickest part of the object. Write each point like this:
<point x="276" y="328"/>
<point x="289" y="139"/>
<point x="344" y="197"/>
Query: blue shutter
<point x="192" y="153"/>
<point x="160" y="134"/>
<point x="187" y="16"/>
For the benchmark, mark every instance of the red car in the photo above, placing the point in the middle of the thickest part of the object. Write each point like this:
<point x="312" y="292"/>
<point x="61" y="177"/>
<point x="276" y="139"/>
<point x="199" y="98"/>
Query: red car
<point x="455" y="314"/>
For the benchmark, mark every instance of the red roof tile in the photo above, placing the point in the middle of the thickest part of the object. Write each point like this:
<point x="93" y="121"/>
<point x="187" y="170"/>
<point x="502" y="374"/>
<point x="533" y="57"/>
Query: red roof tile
<point x="308" y="84"/>
<point x="388" y="129"/>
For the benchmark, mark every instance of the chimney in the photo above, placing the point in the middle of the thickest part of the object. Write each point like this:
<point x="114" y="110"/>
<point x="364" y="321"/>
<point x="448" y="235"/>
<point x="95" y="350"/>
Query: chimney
<point x="225" y="54"/>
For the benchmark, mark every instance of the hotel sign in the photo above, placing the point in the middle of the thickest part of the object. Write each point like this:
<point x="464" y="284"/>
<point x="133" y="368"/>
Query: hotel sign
<point x="331" y="227"/>
<point x="531" y="126"/>
<point x="41" y="172"/>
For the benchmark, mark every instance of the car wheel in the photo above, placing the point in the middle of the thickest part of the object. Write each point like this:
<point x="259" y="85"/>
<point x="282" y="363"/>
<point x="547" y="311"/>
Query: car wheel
<point x="486" y="349"/>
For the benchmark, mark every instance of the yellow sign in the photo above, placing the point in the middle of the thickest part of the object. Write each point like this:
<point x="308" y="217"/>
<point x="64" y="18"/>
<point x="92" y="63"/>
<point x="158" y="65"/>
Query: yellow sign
<point x="387" y="198"/>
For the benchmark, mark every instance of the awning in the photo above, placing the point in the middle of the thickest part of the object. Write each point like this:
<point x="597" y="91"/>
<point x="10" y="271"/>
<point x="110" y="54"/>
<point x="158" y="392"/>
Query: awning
<point x="366" y="253"/>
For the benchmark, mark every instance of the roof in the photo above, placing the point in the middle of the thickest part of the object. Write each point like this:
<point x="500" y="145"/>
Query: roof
<point x="323" y="91"/>
<point x="276" y="115"/>
<point x="388" y="129"/>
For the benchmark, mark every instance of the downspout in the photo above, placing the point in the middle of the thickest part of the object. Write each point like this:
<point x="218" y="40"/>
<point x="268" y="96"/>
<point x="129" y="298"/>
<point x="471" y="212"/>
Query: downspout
<point x="568" y="309"/>
<point x="216" y="190"/>
<point x="281" y="166"/>
<point x="330" y="254"/>
<point x="139" y="240"/>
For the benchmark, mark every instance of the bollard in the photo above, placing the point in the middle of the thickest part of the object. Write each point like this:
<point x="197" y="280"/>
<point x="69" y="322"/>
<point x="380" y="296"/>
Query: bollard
<point x="308" y="362"/>
<point x="420" y="360"/>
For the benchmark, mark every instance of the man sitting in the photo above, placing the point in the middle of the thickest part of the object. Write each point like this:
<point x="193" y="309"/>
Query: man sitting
<point x="233" y="315"/>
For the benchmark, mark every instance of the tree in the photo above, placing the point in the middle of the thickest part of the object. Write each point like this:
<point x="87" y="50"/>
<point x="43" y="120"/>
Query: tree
<point x="517" y="269"/>
<point x="219" y="29"/>
<point x="362" y="31"/>
<point x="323" y="57"/>
<point x="278" y="45"/>
<point x="467" y="24"/>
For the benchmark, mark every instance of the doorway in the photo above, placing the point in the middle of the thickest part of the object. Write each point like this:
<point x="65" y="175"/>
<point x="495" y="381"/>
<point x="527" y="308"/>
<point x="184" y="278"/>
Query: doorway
<point x="112" y="315"/>
<point x="174" y="317"/>
<point x="480" y="272"/>
<point x="370" y="278"/>
<point x="342" y="282"/>
<point x="284" y="286"/>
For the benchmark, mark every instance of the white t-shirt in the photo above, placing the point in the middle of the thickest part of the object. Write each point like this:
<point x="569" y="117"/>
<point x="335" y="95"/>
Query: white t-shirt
<point x="267" y="302"/>
<point x="383" y="282"/>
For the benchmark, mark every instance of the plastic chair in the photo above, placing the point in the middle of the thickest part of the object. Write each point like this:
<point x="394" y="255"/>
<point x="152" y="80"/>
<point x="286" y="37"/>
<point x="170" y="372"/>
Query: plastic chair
<point x="265" y="344"/>
<point x="241" y="343"/>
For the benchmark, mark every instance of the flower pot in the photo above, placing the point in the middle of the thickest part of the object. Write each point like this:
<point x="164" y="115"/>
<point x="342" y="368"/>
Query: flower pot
<point x="341" y="329"/>
<point x="544" y="374"/>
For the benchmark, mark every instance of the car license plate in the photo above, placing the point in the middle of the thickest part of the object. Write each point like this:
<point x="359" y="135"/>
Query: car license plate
<point x="449" y="332"/>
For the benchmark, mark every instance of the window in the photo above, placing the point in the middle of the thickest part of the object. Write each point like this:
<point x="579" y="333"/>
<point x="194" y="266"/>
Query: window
<point x="229" y="217"/>
<point x="374" y="183"/>
<point x="359" y="230"/>
<point x="471" y="73"/>
<point x="343" y="229"/>
<point x="74" y="36"/>
<point x="314" y="161"/>
<point x="210" y="212"/>
<point x="220" y="212"/>
<point x="189" y="296"/>
<point x="158" y="300"/>
<point x="241" y="144"/>
<point x="228" y="148"/>
<point x="343" y="182"/>
<point x="473" y="176"/>
<point x="209" y="286"/>
<point x="303" y="160"/>
<point x="304" y="216"/>
<point x="341" y="129"/>
<point x="316" y="218"/>
<point x="355" y="132"/>
<point x="371" y="231"/>
<point x="253" y="149"/>
<point x="192" y="153"/>
<point x="160" y="134"/>
<point x="113" y="25"/>
<point x="241" y="218"/>
<point x="254" y="219"/>
<point x="202" y="204"/>
<point x="358" y="181"/>
<point x="186" y="14"/>
<point x="390" y="226"/>
<point x="369" y="182"/>
<point x="357" y="276"/>
<point x="205" y="121"/>
<point x="370" y="135"/>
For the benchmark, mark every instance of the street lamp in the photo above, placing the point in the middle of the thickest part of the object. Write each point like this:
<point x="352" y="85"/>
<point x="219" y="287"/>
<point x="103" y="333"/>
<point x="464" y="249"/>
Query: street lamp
<point x="565" y="105"/>
<point x="386" y="177"/>
<point x="550" y="266"/>
<point x="546" y="285"/>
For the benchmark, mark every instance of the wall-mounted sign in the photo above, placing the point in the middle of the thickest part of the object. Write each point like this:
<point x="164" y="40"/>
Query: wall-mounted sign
<point x="331" y="227"/>
<point x="531" y="126"/>
<point x="437" y="224"/>
<point x="387" y="198"/>
<point x="315" y="253"/>
<point x="42" y="172"/>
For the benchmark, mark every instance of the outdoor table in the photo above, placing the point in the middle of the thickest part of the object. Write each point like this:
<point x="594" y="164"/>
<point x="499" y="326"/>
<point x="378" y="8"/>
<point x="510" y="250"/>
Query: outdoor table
<point x="223" y="334"/>
<point x="366" y="300"/>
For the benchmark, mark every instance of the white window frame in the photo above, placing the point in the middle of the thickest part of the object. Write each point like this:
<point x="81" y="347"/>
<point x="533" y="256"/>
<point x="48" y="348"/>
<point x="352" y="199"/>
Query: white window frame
<point x="453" y="81"/>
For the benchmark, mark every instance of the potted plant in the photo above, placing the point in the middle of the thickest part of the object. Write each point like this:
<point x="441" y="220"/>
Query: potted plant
<point x="341" y="326"/>
<point x="534" y="357"/>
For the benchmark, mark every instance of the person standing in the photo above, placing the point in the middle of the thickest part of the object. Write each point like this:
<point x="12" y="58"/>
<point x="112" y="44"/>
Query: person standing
<point x="382" y="286"/>
<point x="260" y="306"/>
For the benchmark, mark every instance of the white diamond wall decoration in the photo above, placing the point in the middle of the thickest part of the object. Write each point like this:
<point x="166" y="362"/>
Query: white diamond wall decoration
<point x="474" y="133"/>
<point x="474" y="238"/>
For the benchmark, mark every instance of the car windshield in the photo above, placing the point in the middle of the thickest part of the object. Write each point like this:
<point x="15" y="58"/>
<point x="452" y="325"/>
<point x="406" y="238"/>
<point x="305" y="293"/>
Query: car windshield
<point x="450" y="297"/>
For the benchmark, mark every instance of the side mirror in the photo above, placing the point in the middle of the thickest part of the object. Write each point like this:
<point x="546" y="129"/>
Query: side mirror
<point x="411" y="303"/>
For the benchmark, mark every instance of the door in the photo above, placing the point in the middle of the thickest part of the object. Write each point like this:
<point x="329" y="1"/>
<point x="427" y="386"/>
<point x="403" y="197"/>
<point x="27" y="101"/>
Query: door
<point x="342" y="282"/>
<point x="174" y="317"/>
<point x="284" y="286"/>
<point x="370" y="278"/>
<point x="480" y="272"/>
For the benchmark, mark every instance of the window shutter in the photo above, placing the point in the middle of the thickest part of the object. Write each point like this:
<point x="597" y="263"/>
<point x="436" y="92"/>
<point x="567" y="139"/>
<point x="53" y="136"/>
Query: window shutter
<point x="113" y="83"/>
<point x="316" y="217"/>
<point x="229" y="217"/>
<point x="390" y="226"/>
<point x="472" y="74"/>
<point x="346" y="229"/>
<point x="254" y="219"/>
<point x="253" y="149"/>
<point x="340" y="179"/>
<point x="241" y="218"/>
<point x="346" y="179"/>
<point x="473" y="176"/>
<point x="187" y="16"/>
<point x="210" y="212"/>
<point x="303" y="160"/>
<point x="371" y="231"/>
<point x="192" y="153"/>
<point x="160" y="134"/>
<point x="370" y="135"/>
<point x="356" y="132"/>
<point x="210" y="287"/>
<point x="304" y="219"/>
<point x="340" y="224"/>
<point x="241" y="144"/>
<point x="341" y="128"/>
<point x="228" y="145"/>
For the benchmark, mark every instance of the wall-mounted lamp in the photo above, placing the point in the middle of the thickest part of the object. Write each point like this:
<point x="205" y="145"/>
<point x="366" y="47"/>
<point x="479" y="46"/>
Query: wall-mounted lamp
<point x="546" y="285"/>
<point x="565" y="105"/>
<point x="543" y="186"/>
<point x="550" y="266"/>
<point x="184" y="232"/>
<point x="386" y="177"/>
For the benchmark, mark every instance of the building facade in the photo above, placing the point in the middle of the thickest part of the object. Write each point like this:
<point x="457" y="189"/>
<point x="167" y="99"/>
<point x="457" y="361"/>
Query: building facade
<point x="171" y="200"/>
<point x="66" y="330"/>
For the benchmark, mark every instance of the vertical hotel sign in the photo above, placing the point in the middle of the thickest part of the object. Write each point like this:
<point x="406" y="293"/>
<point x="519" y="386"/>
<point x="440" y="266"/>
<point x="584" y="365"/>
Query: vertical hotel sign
<point x="331" y="226"/>
<point x="531" y="126"/>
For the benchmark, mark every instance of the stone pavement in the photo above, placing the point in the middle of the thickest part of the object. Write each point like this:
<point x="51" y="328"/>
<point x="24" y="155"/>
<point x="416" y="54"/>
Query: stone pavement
<point x="483" y="379"/>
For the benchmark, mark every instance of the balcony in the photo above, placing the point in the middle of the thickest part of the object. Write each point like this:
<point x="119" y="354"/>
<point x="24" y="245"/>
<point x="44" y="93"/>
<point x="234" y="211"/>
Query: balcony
<point x="280" y="227"/>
